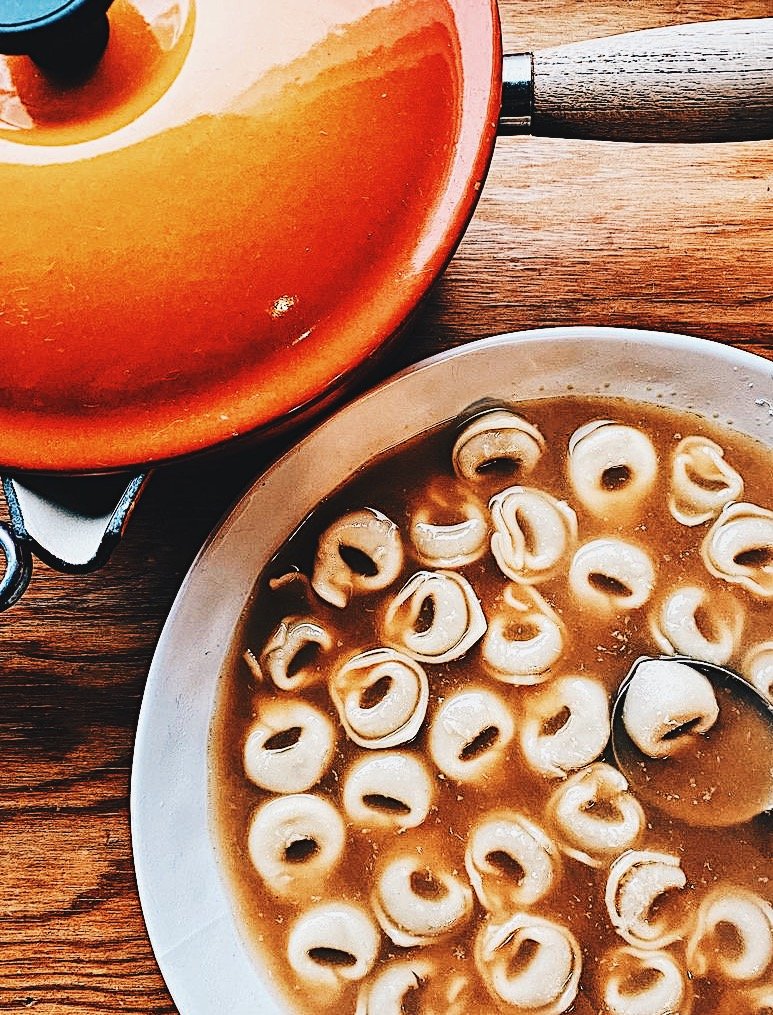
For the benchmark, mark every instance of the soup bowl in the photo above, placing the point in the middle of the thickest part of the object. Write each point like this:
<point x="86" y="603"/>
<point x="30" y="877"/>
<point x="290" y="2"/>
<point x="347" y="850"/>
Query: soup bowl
<point x="202" y="950"/>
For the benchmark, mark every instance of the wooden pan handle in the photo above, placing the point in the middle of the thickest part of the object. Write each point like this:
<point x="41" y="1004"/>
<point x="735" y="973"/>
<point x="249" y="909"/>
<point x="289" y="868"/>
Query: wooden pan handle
<point x="711" y="81"/>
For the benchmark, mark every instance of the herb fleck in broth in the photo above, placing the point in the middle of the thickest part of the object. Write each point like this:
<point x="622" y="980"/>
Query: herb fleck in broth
<point x="597" y="643"/>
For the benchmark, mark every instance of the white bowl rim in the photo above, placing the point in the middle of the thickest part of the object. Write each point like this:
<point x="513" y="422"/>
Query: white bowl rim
<point x="207" y="966"/>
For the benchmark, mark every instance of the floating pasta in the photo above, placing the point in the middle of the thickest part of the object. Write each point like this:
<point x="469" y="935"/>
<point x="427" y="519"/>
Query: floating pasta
<point x="381" y="696"/>
<point x="449" y="543"/>
<point x="595" y="815"/>
<point x="444" y="992"/>
<point x="733" y="935"/>
<point x="565" y="725"/>
<point x="360" y="552"/>
<point x="394" y="990"/>
<point x="533" y="533"/>
<point x="295" y="841"/>
<point x="470" y="733"/>
<point x="739" y="548"/>
<point x="333" y="943"/>
<point x="612" y="467"/>
<point x="500" y="441"/>
<point x="467" y="813"/>
<point x="458" y="997"/>
<point x="694" y="622"/>
<point x="667" y="704"/>
<point x="289" y="746"/>
<point x="390" y="789"/>
<point x="510" y="861"/>
<point x="637" y="883"/>
<point x="416" y="902"/>
<point x="702" y="482"/>
<point x="610" y="575"/>
<point x="524" y="639"/>
<point x="759" y="1000"/>
<point x="292" y="576"/>
<point x="291" y="655"/>
<point x="435" y="617"/>
<point x="529" y="963"/>
<point x="758" y="668"/>
<point x="645" y="983"/>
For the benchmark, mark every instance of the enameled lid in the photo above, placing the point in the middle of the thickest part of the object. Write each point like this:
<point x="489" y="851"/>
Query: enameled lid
<point x="226" y="212"/>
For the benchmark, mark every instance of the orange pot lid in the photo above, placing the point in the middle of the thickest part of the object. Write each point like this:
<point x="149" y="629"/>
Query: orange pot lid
<point x="235" y="210"/>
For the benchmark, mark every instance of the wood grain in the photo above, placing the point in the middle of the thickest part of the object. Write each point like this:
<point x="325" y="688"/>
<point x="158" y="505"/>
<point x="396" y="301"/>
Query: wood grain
<point x="710" y="81"/>
<point x="677" y="238"/>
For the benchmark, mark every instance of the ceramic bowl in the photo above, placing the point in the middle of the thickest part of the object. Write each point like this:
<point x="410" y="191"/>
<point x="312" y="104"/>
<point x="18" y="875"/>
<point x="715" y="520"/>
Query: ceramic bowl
<point x="207" y="965"/>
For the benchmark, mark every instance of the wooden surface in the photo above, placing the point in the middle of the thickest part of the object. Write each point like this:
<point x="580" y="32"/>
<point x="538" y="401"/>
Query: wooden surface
<point x="706" y="81"/>
<point x="675" y="238"/>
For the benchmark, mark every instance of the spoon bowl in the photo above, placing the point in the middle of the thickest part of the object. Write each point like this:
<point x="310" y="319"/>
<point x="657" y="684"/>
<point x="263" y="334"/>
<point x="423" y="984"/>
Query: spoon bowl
<point x="695" y="739"/>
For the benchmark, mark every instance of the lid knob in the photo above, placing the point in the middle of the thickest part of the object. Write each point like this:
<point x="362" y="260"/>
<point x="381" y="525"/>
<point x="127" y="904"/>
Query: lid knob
<point x="65" y="38"/>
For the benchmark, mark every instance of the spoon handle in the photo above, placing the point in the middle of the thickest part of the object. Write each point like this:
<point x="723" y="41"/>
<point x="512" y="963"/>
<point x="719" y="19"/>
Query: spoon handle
<point x="711" y="81"/>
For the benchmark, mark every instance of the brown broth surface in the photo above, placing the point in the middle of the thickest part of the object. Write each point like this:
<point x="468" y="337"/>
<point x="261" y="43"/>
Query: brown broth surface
<point x="597" y="646"/>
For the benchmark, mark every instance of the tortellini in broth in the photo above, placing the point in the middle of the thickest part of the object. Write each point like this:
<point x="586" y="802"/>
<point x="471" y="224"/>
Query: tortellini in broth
<point x="415" y="786"/>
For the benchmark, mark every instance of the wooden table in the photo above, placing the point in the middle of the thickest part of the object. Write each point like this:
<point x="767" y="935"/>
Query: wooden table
<point x="675" y="238"/>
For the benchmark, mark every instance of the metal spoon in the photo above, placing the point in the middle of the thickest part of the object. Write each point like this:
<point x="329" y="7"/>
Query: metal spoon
<point x="701" y="770"/>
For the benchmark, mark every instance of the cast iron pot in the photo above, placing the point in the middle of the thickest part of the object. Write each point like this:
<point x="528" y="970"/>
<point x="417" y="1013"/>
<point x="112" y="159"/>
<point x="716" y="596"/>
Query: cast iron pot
<point x="216" y="212"/>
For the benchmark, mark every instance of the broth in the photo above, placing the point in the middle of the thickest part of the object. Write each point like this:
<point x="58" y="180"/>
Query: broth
<point x="597" y="642"/>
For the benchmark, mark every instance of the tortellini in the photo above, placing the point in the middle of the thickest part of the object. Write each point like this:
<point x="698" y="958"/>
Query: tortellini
<point x="510" y="861"/>
<point x="497" y="440"/>
<point x="759" y="1000"/>
<point x="738" y="548"/>
<point x="391" y="989"/>
<point x="524" y="639"/>
<point x="702" y="482"/>
<point x="595" y="815"/>
<point x="381" y="696"/>
<point x="636" y="881"/>
<point x="733" y="935"/>
<point x="390" y="789"/>
<point x="609" y="575"/>
<point x="529" y="963"/>
<point x="417" y="903"/>
<point x="295" y="841"/>
<point x="666" y="705"/>
<point x="443" y="544"/>
<point x="361" y="552"/>
<point x="332" y="943"/>
<point x="694" y="622"/>
<point x="420" y="986"/>
<point x="612" y="467"/>
<point x="429" y="810"/>
<point x="566" y="725"/>
<point x="435" y="617"/>
<point x="470" y="734"/>
<point x="533" y="533"/>
<point x="285" y="657"/>
<point x="758" y="668"/>
<point x="645" y="983"/>
<point x="289" y="746"/>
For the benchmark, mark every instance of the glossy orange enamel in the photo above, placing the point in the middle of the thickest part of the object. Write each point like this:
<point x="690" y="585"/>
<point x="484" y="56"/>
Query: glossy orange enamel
<point x="198" y="254"/>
